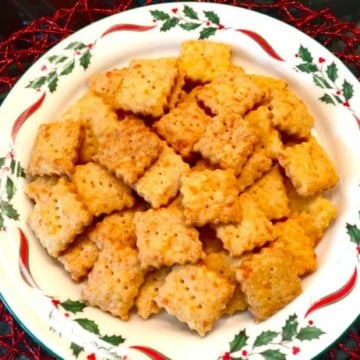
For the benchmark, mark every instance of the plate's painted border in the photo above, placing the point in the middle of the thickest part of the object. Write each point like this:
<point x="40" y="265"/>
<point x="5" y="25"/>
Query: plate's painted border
<point x="337" y="91"/>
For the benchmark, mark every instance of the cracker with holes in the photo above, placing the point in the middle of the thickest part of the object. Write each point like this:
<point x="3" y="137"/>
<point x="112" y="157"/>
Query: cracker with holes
<point x="145" y="301"/>
<point x="195" y="295"/>
<point x="146" y="86"/>
<point x="269" y="281"/>
<point x="101" y="191"/>
<point x="56" y="148"/>
<point x="182" y="127"/>
<point x="253" y="231"/>
<point x="57" y="219"/>
<point x="163" y="238"/>
<point x="40" y="187"/>
<point x="114" y="282"/>
<point x="161" y="182"/>
<point x="309" y="167"/>
<point x="202" y="61"/>
<point x="128" y="149"/>
<point x="210" y="196"/>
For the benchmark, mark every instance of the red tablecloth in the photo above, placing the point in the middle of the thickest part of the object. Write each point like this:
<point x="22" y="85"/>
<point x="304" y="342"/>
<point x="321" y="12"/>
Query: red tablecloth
<point x="22" y="48"/>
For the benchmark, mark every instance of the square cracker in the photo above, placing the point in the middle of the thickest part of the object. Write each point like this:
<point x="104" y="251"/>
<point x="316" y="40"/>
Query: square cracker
<point x="227" y="142"/>
<point x="231" y="92"/>
<point x="163" y="238"/>
<point x="253" y="231"/>
<point x="210" y="196"/>
<point x="183" y="126"/>
<point x="114" y="282"/>
<point x="146" y="86"/>
<point x="128" y="149"/>
<point x="270" y="193"/>
<point x="161" y="182"/>
<point x="101" y="191"/>
<point x="203" y="60"/>
<point x="40" y="187"/>
<point x="269" y="281"/>
<point x="309" y="168"/>
<point x="57" y="219"/>
<point x="196" y="295"/>
<point x="56" y="148"/>
<point x="79" y="258"/>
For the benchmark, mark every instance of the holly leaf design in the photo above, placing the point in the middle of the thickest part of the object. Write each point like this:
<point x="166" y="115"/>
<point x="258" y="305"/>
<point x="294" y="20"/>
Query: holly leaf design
<point x="321" y="82"/>
<point x="12" y="166"/>
<point x="113" y="339"/>
<point x="8" y="211"/>
<point x="10" y="188"/>
<point x="52" y="81"/>
<point x="190" y="12"/>
<point x="305" y="54"/>
<point x="159" y="15"/>
<point x="2" y="161"/>
<point x="212" y="17"/>
<point x="347" y="90"/>
<point x="265" y="337"/>
<point x="57" y="59"/>
<point x="76" y="45"/>
<point x="88" y="325"/>
<point x="273" y="354"/>
<point x="37" y="83"/>
<point x="73" y="306"/>
<point x="20" y="171"/>
<point x="289" y="330"/>
<point x="76" y="349"/>
<point x="169" y="24"/>
<point x="332" y="71"/>
<point x="327" y="99"/>
<point x="68" y="68"/>
<point x="239" y="341"/>
<point x="354" y="233"/>
<point x="207" y="32"/>
<point x="85" y="59"/>
<point x="1" y="221"/>
<point x="307" y="67"/>
<point x="188" y="26"/>
<point x="309" y="333"/>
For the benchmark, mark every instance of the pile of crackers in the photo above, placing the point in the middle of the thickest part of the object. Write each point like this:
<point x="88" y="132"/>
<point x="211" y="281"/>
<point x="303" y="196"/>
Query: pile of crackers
<point x="183" y="185"/>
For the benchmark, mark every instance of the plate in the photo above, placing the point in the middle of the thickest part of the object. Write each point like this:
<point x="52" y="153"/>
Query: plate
<point x="40" y="294"/>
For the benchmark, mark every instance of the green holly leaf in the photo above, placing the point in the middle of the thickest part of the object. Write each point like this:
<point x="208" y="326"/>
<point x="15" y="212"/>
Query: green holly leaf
<point x="76" y="349"/>
<point x="307" y="67"/>
<point x="10" y="188"/>
<point x="73" y="306"/>
<point x="88" y="325"/>
<point x="309" y="333"/>
<point x="289" y="330"/>
<point x="85" y="59"/>
<point x="12" y="166"/>
<point x="57" y="59"/>
<point x="265" y="337"/>
<point x="190" y="12"/>
<point x="2" y="161"/>
<point x="327" y="99"/>
<point x="37" y="83"/>
<point x="305" y="54"/>
<point x="354" y="233"/>
<point x="8" y="211"/>
<point x="239" y="341"/>
<point x="20" y="171"/>
<point x="212" y="17"/>
<point x="76" y="45"/>
<point x="347" y="90"/>
<point x="159" y="15"/>
<point x="1" y="221"/>
<point x="169" y="24"/>
<point x="113" y="339"/>
<point x="321" y="82"/>
<point x="273" y="355"/>
<point x="188" y="26"/>
<point x="332" y="72"/>
<point x="68" y="68"/>
<point x="207" y="32"/>
<point x="52" y="81"/>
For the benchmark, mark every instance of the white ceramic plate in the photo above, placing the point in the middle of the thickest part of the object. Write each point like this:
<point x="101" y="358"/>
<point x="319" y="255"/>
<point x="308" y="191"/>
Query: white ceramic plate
<point x="38" y="291"/>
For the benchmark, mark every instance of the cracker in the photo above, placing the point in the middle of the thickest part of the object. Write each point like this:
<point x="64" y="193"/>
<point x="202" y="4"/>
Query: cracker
<point x="57" y="219"/>
<point x="101" y="191"/>
<point x="270" y="194"/>
<point x="203" y="60"/>
<point x="40" y="187"/>
<point x="290" y="114"/>
<point x="161" y="182"/>
<point x="231" y="92"/>
<point x="178" y="93"/>
<point x="196" y="295"/>
<point x="227" y="142"/>
<point x="269" y="281"/>
<point x="309" y="168"/>
<point x="210" y="196"/>
<point x="182" y="127"/>
<point x="291" y="237"/>
<point x="55" y="150"/>
<point x="163" y="238"/>
<point x="145" y="302"/>
<point x="253" y="231"/>
<point x="114" y="282"/>
<point x="268" y="83"/>
<point x="146" y="86"/>
<point x="128" y="150"/>
<point x="79" y="258"/>
<point x="236" y="303"/>
<point x="222" y="263"/>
